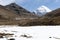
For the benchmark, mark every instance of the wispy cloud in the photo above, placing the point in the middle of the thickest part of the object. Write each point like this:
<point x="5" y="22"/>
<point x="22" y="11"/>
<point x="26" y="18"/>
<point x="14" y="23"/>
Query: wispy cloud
<point x="56" y="0"/>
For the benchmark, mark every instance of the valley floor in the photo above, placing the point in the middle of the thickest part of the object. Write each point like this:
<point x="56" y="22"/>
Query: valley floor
<point x="36" y="32"/>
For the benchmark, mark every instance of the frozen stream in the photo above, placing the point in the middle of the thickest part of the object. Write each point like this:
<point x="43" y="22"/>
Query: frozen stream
<point x="37" y="32"/>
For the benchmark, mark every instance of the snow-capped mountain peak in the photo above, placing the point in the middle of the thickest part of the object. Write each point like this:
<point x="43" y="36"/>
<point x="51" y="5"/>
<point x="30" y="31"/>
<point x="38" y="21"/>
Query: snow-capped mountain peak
<point x="42" y="10"/>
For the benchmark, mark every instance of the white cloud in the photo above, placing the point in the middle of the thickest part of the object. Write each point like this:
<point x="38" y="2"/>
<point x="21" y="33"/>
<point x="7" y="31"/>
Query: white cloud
<point x="6" y="2"/>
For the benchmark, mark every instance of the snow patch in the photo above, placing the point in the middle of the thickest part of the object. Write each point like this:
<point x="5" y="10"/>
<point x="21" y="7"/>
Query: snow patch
<point x="37" y="32"/>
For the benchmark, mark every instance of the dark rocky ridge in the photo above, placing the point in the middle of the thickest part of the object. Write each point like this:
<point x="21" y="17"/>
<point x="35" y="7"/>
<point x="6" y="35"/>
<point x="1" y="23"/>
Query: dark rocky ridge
<point x="7" y="14"/>
<point x="54" y="13"/>
<point x="20" y="10"/>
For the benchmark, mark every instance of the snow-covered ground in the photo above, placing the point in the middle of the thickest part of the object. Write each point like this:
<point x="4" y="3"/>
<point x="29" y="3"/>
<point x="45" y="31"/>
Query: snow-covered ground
<point x="37" y="32"/>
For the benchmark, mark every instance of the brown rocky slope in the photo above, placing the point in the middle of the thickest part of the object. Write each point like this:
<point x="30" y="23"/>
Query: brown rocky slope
<point x="51" y="18"/>
<point x="9" y="13"/>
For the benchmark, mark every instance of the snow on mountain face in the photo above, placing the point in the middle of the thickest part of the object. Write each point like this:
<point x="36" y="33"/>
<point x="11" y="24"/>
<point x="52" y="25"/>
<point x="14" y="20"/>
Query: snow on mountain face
<point x="42" y="10"/>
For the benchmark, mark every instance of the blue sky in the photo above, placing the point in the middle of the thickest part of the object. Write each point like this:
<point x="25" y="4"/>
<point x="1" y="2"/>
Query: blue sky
<point x="32" y="5"/>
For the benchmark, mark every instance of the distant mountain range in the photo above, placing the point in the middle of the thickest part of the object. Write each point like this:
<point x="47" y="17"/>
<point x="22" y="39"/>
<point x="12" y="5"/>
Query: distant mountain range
<point x="51" y="18"/>
<point x="14" y="14"/>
